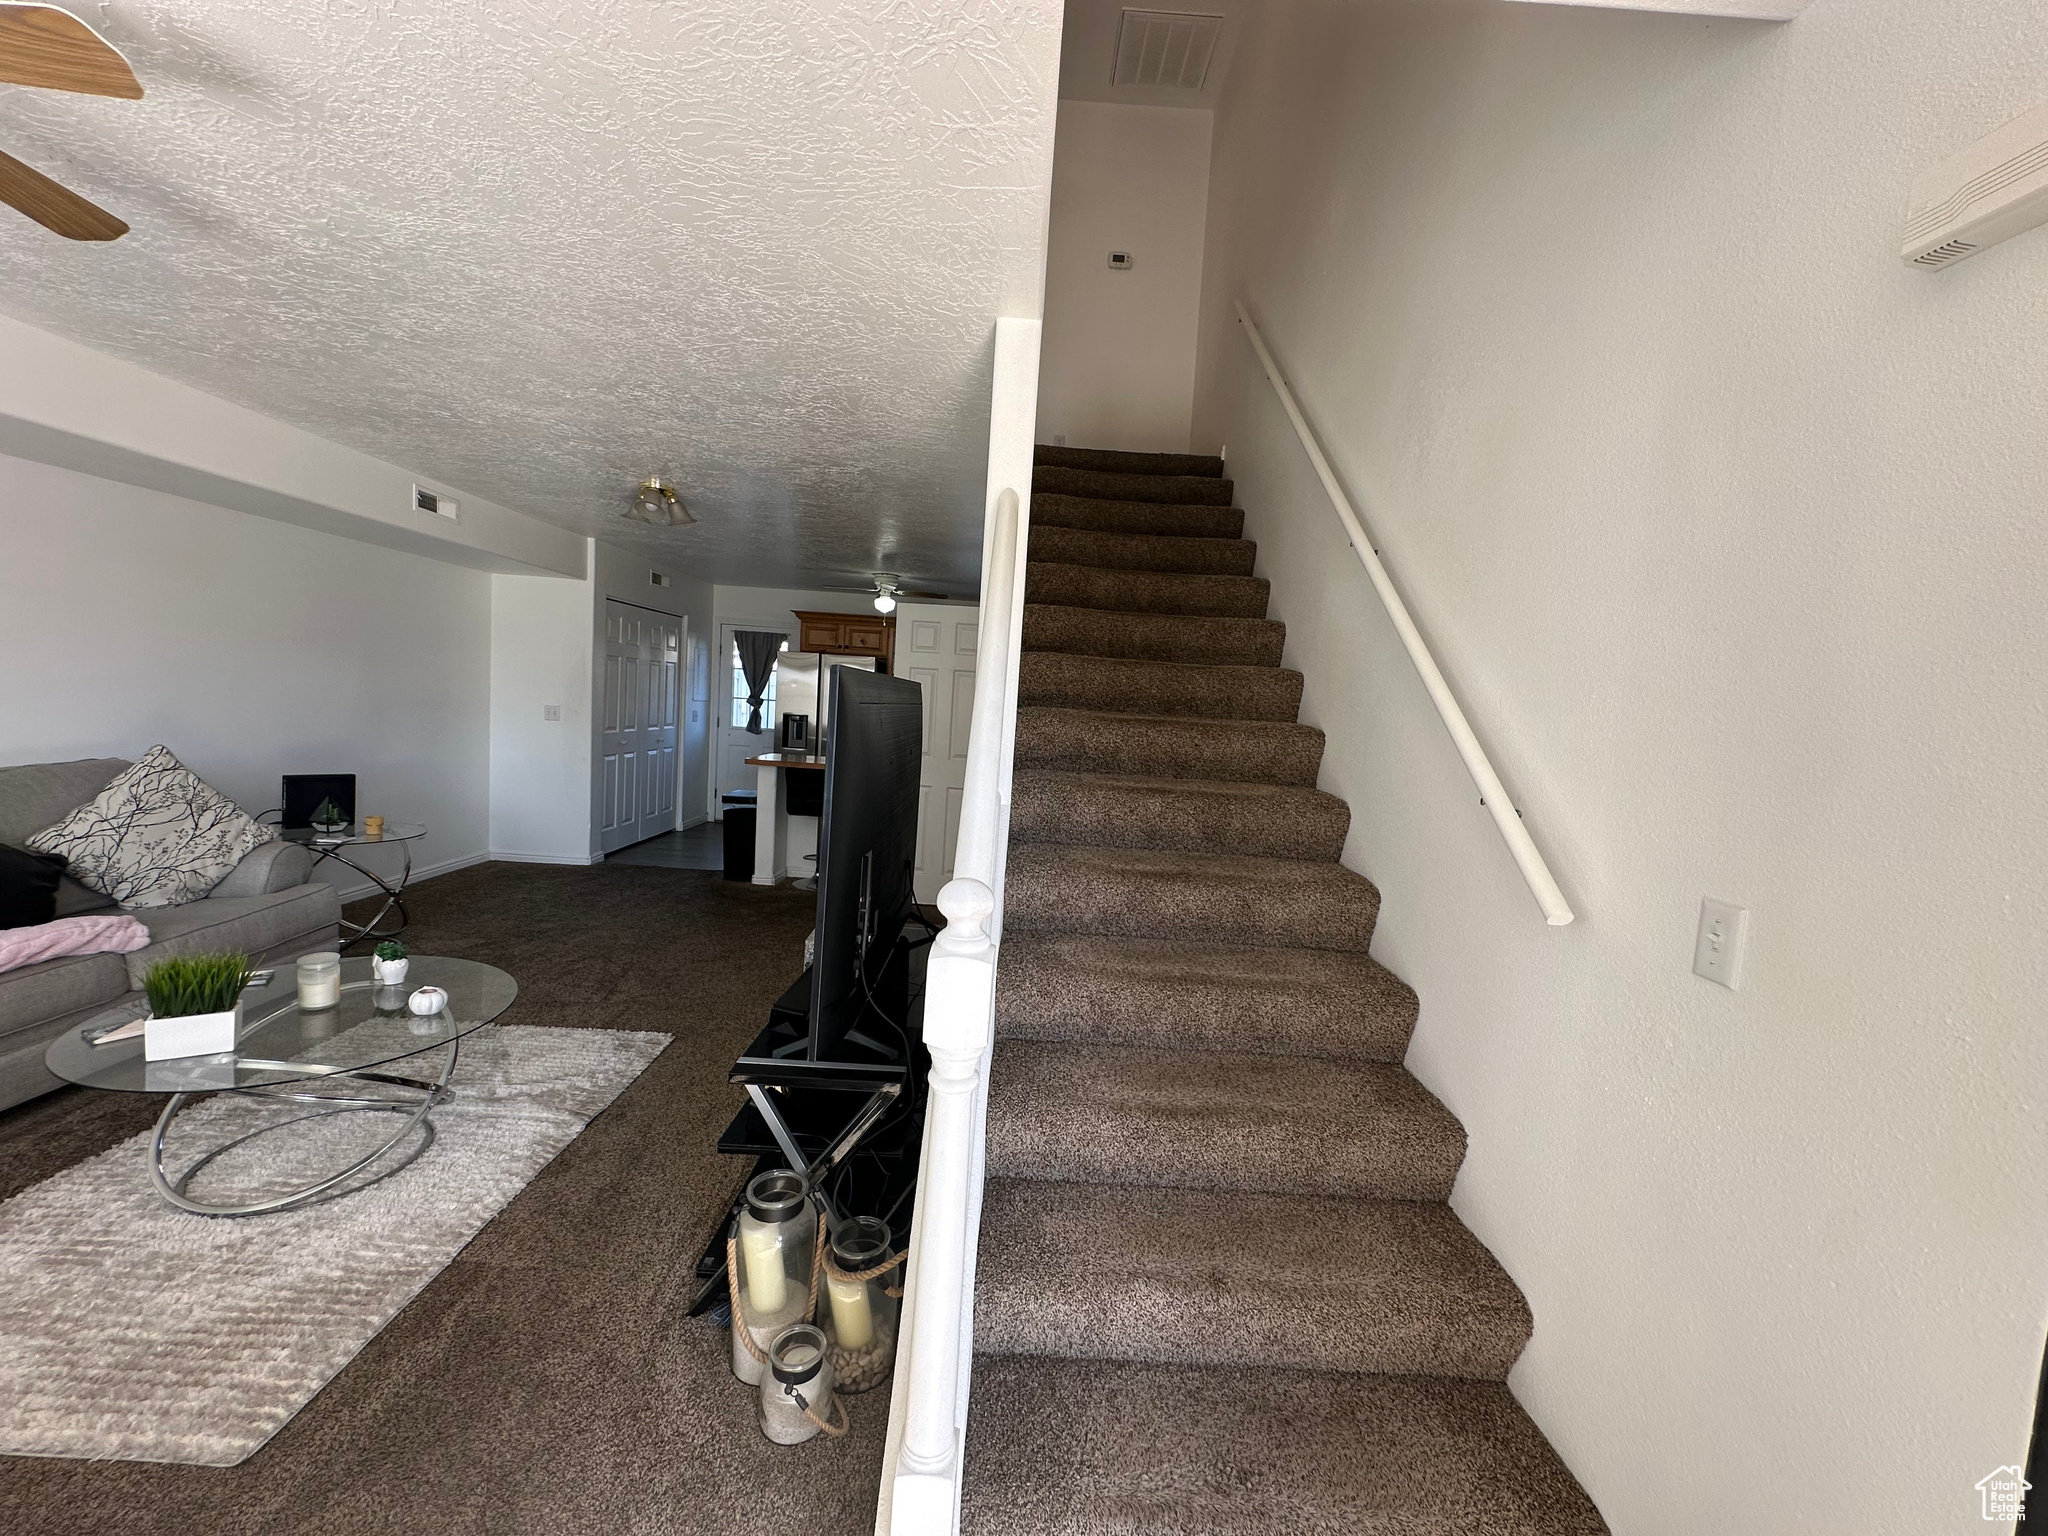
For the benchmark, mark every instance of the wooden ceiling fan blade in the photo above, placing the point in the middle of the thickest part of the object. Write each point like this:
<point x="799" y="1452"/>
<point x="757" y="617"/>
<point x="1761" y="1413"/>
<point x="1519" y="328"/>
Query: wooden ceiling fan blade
<point x="54" y="206"/>
<point x="43" y="46"/>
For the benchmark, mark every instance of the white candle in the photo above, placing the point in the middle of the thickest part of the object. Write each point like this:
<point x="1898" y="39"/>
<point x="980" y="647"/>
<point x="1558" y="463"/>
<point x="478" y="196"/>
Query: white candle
<point x="319" y="981"/>
<point x="767" y="1286"/>
<point x="853" y="1320"/>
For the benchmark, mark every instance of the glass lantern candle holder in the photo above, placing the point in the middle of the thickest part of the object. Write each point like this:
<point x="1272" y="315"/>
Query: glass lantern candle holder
<point x="775" y="1246"/>
<point x="858" y="1303"/>
<point x="796" y="1387"/>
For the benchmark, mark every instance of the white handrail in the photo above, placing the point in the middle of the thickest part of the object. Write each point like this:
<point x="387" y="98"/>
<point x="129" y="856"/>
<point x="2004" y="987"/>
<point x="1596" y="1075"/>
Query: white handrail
<point x="922" y="1460"/>
<point x="1542" y="886"/>
<point x="959" y="1026"/>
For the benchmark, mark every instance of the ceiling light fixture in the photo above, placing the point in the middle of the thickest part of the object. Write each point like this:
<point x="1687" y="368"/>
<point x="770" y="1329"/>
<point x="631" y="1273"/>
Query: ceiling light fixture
<point x="656" y="501"/>
<point x="885" y="592"/>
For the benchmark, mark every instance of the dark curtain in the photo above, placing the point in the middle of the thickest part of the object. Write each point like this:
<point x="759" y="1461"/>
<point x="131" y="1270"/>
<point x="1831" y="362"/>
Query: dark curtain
<point x="758" y="650"/>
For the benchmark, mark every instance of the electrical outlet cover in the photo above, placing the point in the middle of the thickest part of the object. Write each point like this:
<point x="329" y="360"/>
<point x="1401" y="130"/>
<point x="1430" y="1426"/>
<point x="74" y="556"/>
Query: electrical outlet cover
<point x="1717" y="951"/>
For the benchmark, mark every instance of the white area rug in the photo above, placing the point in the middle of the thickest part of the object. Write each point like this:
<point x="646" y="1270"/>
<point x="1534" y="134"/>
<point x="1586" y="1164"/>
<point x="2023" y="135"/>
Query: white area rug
<point x="132" y="1330"/>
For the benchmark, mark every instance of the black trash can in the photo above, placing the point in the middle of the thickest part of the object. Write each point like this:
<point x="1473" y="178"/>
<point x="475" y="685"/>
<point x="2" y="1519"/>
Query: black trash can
<point x="740" y="811"/>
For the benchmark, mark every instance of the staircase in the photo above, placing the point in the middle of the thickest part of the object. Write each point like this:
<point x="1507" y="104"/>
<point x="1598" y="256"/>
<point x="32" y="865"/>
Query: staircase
<point x="1219" y="1290"/>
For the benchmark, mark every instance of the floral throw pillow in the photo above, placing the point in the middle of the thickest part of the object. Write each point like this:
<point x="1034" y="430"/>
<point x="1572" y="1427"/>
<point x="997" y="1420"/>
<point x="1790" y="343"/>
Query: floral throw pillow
<point x="158" y="836"/>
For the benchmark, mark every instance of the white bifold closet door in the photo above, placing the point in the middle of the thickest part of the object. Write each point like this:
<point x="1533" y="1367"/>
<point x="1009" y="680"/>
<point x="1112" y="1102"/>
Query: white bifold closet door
<point x="935" y="648"/>
<point x="639" y="702"/>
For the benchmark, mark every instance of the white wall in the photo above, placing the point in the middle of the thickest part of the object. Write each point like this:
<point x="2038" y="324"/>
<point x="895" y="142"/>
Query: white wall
<point x="541" y="654"/>
<point x="1117" y="368"/>
<point x="251" y="648"/>
<point x="1726" y="524"/>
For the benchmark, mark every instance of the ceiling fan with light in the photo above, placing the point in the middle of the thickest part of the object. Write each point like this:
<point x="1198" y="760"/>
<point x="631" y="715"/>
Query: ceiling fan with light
<point x="887" y="587"/>
<point x="53" y="50"/>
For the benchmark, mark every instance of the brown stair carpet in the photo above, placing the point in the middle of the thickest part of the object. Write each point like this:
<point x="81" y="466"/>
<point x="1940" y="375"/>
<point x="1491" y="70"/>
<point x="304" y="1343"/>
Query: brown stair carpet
<point x="1179" y="995"/>
<point x="1219" y="1289"/>
<point x="1115" y="462"/>
<point x="1157" y="687"/>
<point x="1178" y="490"/>
<point x="1275" y="820"/>
<point x="1103" y="741"/>
<point x="1154" y="636"/>
<point x="1083" y="586"/>
<point x="1143" y="552"/>
<point x="1158" y="519"/>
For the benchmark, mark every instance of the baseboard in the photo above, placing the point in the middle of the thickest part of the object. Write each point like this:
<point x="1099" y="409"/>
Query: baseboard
<point x="509" y="856"/>
<point x="360" y="889"/>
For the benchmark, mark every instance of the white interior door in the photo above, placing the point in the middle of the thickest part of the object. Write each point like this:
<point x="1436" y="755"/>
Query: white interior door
<point x="638" y="708"/>
<point x="935" y="648"/>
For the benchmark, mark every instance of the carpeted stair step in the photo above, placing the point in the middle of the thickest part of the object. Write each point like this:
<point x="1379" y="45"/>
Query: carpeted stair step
<point x="1158" y="687"/>
<point x="1143" y="552"/>
<point x="1060" y="1447"/>
<point x="1088" y="586"/>
<point x="1102" y="741"/>
<point x="1117" y="462"/>
<point x="1179" y="995"/>
<point x="1221" y="1277"/>
<point x="1154" y="636"/>
<point x="1302" y="1125"/>
<point x="1181" y="490"/>
<point x="1172" y="520"/>
<point x="1193" y="815"/>
<point x="1142" y="893"/>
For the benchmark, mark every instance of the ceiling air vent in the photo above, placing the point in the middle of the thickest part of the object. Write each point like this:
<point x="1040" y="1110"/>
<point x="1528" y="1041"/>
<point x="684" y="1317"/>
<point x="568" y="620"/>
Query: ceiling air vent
<point x="1169" y="48"/>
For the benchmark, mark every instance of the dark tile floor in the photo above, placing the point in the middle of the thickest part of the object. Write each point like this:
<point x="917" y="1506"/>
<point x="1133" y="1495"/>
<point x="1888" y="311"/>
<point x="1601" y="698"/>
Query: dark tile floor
<point x="700" y="847"/>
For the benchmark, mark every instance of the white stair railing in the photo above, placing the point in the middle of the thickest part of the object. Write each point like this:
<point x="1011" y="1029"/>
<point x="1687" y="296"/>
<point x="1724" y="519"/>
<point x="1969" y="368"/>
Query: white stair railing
<point x="921" y="1467"/>
<point x="1542" y="886"/>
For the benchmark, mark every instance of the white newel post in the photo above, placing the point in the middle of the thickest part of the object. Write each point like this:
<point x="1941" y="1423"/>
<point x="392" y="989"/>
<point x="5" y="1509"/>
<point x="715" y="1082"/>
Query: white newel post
<point x="959" y="1013"/>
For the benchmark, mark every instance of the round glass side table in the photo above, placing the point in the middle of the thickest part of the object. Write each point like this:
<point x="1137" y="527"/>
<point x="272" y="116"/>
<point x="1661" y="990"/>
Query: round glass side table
<point x="329" y="845"/>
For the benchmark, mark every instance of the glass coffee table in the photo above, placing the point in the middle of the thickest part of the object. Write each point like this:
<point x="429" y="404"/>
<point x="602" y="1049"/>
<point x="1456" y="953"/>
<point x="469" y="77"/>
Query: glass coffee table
<point x="328" y="845"/>
<point x="302" y="1057"/>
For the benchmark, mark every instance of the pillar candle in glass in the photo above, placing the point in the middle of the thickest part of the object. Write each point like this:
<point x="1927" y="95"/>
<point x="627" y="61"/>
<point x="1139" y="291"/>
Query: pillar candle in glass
<point x="778" y="1233"/>
<point x="860" y="1318"/>
<point x="319" y="980"/>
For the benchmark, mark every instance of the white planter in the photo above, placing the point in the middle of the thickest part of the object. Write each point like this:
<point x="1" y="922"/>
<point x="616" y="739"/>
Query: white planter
<point x="389" y="973"/>
<point x="427" y="1002"/>
<point x="196" y="1034"/>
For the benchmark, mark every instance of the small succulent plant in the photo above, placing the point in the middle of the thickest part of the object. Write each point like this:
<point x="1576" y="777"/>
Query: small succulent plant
<point x="390" y="949"/>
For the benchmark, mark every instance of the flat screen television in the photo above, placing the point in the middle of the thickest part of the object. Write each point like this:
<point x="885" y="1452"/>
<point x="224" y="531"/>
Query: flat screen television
<point x="867" y="845"/>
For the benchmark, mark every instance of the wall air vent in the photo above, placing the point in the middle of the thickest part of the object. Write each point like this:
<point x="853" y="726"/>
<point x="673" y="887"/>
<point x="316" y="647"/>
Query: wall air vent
<point x="1995" y="189"/>
<point x="1169" y="48"/>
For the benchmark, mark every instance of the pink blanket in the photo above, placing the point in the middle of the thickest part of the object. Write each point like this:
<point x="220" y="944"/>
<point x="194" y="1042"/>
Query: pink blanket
<point x="101" y="933"/>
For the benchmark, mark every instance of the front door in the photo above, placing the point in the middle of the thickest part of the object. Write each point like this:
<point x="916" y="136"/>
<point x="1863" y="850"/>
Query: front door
<point x="638" y="708"/>
<point x="935" y="648"/>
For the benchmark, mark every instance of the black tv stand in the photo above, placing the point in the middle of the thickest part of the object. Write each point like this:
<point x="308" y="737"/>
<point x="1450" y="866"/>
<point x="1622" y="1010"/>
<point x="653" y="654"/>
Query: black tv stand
<point x="812" y="1116"/>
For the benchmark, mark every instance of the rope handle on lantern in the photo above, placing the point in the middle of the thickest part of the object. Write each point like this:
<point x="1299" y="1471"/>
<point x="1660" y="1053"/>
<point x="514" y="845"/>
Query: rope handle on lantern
<point x="864" y="1274"/>
<point x="820" y="1257"/>
<point x="844" y="1423"/>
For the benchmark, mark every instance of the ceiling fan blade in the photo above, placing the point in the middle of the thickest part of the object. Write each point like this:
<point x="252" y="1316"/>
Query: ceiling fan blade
<point x="938" y="596"/>
<point x="833" y="586"/>
<point x="43" y="46"/>
<point x="53" y="206"/>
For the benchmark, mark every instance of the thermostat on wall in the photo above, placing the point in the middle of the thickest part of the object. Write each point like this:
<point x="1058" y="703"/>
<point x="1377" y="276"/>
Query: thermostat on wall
<point x="1120" y="260"/>
<point x="1995" y="189"/>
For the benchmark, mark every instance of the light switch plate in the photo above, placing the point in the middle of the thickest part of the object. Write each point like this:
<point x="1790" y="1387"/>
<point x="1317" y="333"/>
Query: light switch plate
<point x="1724" y="935"/>
<point x="551" y="711"/>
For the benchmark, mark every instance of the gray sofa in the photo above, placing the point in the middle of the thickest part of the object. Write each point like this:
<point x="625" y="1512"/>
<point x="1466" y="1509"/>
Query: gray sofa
<point x="266" y="907"/>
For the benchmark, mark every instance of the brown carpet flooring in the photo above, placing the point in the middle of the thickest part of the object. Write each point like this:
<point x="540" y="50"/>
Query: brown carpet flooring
<point x="1219" y="1289"/>
<point x="547" y="1381"/>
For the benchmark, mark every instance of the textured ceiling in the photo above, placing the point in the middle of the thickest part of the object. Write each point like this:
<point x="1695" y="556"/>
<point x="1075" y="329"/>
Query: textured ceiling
<point x="540" y="250"/>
